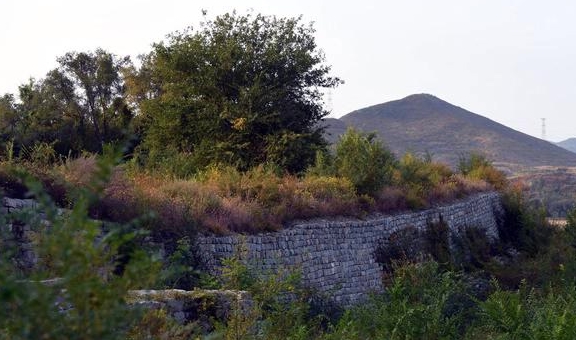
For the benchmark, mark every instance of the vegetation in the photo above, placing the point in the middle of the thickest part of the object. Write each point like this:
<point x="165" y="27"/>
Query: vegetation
<point x="222" y="135"/>
<point x="240" y="91"/>
<point x="359" y="157"/>
<point x="77" y="107"/>
<point x="553" y="188"/>
<point x="223" y="199"/>
<point x="83" y="297"/>
<point x="221" y="128"/>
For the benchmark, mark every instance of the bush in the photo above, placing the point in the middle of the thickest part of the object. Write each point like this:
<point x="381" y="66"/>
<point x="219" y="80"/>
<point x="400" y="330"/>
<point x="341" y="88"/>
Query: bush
<point x="420" y="174"/>
<point x="87" y="300"/>
<point x="13" y="185"/>
<point x="414" y="307"/>
<point x="223" y="199"/>
<point x="522" y="227"/>
<point x="529" y="314"/>
<point x="41" y="154"/>
<point x="477" y="166"/>
<point x="571" y="227"/>
<point x="437" y="242"/>
<point x="364" y="161"/>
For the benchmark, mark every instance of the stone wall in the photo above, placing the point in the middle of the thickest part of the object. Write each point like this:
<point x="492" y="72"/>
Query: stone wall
<point x="19" y="236"/>
<point x="337" y="258"/>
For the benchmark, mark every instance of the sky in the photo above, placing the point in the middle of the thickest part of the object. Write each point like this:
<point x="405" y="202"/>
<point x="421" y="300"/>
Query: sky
<point x="513" y="61"/>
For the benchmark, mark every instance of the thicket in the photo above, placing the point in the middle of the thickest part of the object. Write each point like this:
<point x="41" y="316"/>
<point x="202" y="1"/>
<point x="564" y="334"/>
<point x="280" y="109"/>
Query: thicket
<point x="528" y="297"/>
<point x="359" y="178"/>
<point x="75" y="291"/>
<point x="517" y="289"/>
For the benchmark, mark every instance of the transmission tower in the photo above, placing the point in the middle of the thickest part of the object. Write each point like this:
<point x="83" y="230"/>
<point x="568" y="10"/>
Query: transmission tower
<point x="329" y="101"/>
<point x="543" y="128"/>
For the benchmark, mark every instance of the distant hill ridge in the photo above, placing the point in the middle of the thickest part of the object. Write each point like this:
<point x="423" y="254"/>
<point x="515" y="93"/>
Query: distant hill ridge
<point x="568" y="144"/>
<point x="425" y="123"/>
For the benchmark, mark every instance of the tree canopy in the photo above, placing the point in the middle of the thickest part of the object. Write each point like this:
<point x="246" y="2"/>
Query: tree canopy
<point x="241" y="90"/>
<point x="79" y="106"/>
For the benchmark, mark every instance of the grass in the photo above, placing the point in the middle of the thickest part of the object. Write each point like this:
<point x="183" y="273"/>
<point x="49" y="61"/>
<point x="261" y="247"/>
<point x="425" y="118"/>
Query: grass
<point x="223" y="200"/>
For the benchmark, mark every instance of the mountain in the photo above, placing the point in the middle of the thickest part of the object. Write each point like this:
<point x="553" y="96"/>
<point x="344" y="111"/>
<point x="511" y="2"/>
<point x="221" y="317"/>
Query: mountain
<point x="334" y="129"/>
<point x="424" y="123"/>
<point x="569" y="144"/>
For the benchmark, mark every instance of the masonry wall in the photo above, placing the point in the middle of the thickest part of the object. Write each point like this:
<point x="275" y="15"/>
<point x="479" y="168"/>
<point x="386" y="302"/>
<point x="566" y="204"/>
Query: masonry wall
<point x="337" y="258"/>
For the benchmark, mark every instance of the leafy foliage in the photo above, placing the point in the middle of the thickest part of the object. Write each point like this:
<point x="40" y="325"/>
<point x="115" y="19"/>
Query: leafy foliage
<point x="414" y="307"/>
<point x="240" y="91"/>
<point x="363" y="160"/>
<point x="77" y="107"/>
<point x="477" y="166"/>
<point x="86" y="301"/>
<point x="522" y="227"/>
<point x="571" y="227"/>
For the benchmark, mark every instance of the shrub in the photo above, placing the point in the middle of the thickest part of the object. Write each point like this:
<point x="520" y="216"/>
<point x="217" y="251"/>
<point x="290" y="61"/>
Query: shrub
<point x="437" y="242"/>
<point x="13" y="185"/>
<point x="364" y="161"/>
<point x="414" y="307"/>
<point x="477" y="166"/>
<point x="397" y="249"/>
<point x="182" y="267"/>
<point x="391" y="199"/>
<point x="571" y="227"/>
<point x="420" y="174"/>
<point x="530" y="314"/>
<point x="473" y="249"/>
<point x="323" y="165"/>
<point x="87" y="301"/>
<point x="79" y="171"/>
<point x="522" y="227"/>
<point x="41" y="154"/>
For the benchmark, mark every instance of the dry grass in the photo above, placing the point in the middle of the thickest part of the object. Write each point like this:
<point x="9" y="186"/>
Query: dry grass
<point x="224" y="200"/>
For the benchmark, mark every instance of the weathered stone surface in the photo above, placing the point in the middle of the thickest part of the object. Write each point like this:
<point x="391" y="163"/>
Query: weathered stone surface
<point x="184" y="306"/>
<point x="14" y="203"/>
<point x="337" y="258"/>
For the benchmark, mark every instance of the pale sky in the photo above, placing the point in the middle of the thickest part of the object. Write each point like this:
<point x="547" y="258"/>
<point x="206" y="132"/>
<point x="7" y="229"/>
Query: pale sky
<point x="511" y="61"/>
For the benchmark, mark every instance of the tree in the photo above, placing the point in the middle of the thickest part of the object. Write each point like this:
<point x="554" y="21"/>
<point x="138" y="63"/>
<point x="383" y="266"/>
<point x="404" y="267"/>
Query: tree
<point x="99" y="91"/>
<point x="48" y="114"/>
<point x="571" y="227"/>
<point x="241" y="90"/>
<point x="77" y="107"/>
<point x="9" y="118"/>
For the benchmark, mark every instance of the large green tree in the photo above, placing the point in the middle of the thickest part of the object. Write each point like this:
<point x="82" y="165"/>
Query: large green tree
<point x="241" y="90"/>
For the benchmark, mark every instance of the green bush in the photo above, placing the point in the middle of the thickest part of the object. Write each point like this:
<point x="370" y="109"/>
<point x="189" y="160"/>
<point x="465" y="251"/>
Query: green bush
<point x="414" y="307"/>
<point x="364" y="161"/>
<point x="477" y="166"/>
<point x="529" y="314"/>
<point x="87" y="299"/>
<point x="420" y="174"/>
<point x="522" y="227"/>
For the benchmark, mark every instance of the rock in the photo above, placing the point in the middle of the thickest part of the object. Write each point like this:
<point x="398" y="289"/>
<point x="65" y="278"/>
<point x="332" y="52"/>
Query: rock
<point x="204" y="306"/>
